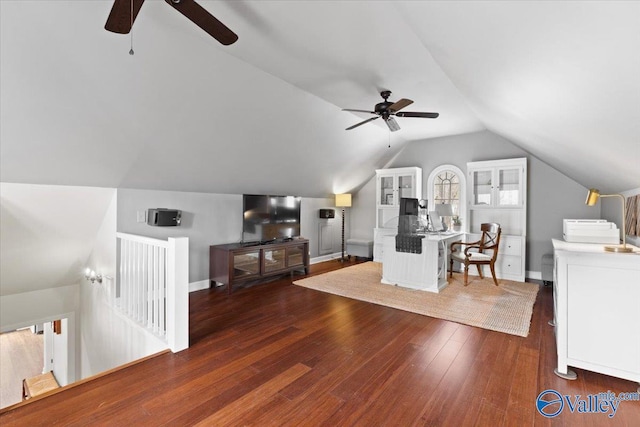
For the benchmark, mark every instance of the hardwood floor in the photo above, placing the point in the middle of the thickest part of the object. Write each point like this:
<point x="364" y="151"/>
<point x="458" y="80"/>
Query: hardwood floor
<point x="21" y="356"/>
<point x="278" y="354"/>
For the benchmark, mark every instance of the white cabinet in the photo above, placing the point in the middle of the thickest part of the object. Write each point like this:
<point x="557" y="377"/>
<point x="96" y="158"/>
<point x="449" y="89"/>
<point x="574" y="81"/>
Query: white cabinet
<point x="497" y="192"/>
<point x="592" y="291"/>
<point x="391" y="185"/>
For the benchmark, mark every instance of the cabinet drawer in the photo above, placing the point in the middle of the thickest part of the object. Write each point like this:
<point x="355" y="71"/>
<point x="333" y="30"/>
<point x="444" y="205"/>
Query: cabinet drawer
<point x="510" y="245"/>
<point x="511" y="265"/>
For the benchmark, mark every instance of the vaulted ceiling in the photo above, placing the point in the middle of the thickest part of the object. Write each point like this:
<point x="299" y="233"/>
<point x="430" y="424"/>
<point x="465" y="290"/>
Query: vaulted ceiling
<point x="559" y="79"/>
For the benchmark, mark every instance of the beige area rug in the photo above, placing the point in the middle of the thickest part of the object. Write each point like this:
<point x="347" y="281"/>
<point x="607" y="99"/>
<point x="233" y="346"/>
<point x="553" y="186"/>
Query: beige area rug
<point x="505" y="308"/>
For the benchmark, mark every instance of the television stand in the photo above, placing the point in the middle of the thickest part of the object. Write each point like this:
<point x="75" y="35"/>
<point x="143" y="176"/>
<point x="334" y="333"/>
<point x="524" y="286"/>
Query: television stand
<point x="234" y="263"/>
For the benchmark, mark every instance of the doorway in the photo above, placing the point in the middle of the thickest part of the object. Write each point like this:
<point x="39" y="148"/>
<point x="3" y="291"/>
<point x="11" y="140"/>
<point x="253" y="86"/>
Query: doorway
<point x="21" y="356"/>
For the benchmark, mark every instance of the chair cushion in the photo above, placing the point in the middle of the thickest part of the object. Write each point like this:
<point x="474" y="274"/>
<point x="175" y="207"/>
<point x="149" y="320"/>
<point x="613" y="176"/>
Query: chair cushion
<point x="474" y="256"/>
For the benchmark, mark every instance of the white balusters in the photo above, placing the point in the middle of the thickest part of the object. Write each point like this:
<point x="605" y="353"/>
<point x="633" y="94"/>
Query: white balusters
<point x="153" y="286"/>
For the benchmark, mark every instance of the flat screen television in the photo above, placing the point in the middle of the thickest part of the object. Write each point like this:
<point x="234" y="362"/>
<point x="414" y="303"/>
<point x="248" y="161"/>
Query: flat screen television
<point x="408" y="216"/>
<point x="409" y="206"/>
<point x="268" y="218"/>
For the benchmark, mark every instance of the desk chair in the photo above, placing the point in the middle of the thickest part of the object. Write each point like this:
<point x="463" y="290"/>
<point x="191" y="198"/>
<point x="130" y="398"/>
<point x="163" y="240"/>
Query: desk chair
<point x="475" y="252"/>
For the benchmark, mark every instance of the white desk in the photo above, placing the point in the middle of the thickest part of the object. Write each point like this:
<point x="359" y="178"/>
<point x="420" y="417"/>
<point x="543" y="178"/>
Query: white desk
<point x="426" y="271"/>
<point x="596" y="296"/>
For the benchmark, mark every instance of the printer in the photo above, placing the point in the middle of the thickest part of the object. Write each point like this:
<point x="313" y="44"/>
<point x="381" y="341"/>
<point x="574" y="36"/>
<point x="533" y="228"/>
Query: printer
<point x="590" y="231"/>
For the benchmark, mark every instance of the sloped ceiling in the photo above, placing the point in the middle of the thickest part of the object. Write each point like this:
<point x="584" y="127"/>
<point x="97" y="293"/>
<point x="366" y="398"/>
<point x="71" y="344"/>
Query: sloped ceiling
<point x="559" y="79"/>
<point x="47" y="234"/>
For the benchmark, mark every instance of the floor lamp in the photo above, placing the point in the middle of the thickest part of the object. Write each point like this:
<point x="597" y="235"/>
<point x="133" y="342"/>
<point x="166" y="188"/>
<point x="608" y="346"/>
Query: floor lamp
<point x="592" y="199"/>
<point x="343" y="201"/>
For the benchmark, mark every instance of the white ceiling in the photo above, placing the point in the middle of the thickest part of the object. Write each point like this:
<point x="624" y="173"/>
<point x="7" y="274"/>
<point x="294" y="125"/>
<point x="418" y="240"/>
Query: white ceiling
<point x="559" y="79"/>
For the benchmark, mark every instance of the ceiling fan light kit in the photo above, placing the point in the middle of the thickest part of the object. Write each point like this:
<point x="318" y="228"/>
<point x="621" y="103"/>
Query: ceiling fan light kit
<point x="387" y="109"/>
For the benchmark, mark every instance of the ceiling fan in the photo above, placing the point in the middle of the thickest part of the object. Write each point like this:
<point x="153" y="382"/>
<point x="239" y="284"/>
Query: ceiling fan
<point x="120" y="19"/>
<point x="387" y="109"/>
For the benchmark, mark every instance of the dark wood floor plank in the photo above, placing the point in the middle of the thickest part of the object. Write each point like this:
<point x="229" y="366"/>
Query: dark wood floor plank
<point x="407" y="392"/>
<point x="523" y="387"/>
<point x="256" y="398"/>
<point x="454" y="389"/>
<point x="276" y="354"/>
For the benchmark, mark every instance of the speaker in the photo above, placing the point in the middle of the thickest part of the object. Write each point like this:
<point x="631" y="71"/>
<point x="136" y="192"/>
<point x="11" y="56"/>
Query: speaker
<point x="162" y="217"/>
<point x="327" y="213"/>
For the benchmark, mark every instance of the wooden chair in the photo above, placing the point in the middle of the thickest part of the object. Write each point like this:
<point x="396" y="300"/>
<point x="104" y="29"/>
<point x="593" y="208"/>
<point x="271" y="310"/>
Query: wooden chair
<point x="476" y="254"/>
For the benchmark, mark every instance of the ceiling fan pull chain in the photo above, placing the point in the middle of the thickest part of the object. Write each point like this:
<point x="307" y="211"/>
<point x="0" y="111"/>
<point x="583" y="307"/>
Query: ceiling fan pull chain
<point x="131" y="32"/>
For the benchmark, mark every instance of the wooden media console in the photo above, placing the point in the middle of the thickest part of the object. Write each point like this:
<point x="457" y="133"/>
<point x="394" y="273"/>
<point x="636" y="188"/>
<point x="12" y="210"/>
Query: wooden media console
<point x="234" y="263"/>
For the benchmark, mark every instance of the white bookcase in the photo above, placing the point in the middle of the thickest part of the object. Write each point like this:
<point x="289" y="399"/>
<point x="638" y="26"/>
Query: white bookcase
<point x="497" y="192"/>
<point x="391" y="185"/>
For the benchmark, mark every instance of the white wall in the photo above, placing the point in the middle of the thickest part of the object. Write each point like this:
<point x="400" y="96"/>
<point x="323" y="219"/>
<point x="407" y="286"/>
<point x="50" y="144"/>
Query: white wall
<point x="363" y="212"/>
<point x="107" y="338"/>
<point x="46" y="234"/>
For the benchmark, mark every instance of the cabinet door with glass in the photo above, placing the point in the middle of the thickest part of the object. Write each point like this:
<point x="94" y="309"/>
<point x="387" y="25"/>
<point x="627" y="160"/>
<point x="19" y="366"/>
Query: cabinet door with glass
<point x="482" y="185"/>
<point x="386" y="190"/>
<point x="295" y="256"/>
<point x="394" y="184"/>
<point x="246" y="264"/>
<point x="497" y="186"/>
<point x="508" y="186"/>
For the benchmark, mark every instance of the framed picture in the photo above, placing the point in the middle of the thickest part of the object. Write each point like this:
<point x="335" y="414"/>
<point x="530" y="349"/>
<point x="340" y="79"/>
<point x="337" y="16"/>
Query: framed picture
<point x="389" y="199"/>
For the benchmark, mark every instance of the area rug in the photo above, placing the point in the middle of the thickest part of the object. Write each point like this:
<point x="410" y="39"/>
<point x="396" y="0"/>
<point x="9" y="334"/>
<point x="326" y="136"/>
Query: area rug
<point x="506" y="308"/>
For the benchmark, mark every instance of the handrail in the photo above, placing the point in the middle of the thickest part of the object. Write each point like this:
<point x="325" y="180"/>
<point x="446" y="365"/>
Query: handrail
<point x="143" y="239"/>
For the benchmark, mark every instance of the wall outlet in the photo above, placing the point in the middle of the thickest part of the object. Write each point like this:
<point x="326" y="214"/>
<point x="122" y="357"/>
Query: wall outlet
<point x="142" y="216"/>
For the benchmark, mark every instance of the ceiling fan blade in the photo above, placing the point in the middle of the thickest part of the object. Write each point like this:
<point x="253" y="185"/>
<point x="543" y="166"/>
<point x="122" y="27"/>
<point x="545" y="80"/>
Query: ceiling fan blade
<point x="416" y="114"/>
<point x="358" y="111"/>
<point x="399" y="105"/>
<point x="204" y="20"/>
<point x="392" y="124"/>
<point x="119" y="20"/>
<point x="361" y="123"/>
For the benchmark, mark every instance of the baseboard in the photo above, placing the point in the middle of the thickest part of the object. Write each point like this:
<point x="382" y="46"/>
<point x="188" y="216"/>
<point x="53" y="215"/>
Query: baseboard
<point x="198" y="286"/>
<point x="535" y="275"/>
<point x="324" y="258"/>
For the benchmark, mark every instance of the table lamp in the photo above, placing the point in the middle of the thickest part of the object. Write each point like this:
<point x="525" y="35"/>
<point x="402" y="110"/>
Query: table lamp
<point x="444" y="210"/>
<point x="592" y="199"/>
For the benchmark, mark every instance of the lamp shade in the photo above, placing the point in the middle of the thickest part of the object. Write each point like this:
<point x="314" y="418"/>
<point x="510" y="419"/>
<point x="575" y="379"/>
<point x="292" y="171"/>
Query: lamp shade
<point x="592" y="197"/>
<point x="343" y="200"/>
<point x="444" y="209"/>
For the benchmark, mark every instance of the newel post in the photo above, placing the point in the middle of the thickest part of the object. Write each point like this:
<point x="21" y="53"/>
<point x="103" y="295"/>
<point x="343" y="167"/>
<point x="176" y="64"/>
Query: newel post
<point x="178" y="293"/>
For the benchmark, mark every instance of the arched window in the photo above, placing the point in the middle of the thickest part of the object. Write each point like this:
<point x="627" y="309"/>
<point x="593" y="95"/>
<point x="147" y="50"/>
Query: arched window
<point x="447" y="184"/>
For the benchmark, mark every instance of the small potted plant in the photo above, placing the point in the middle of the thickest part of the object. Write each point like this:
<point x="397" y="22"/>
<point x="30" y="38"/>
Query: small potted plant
<point x="457" y="223"/>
